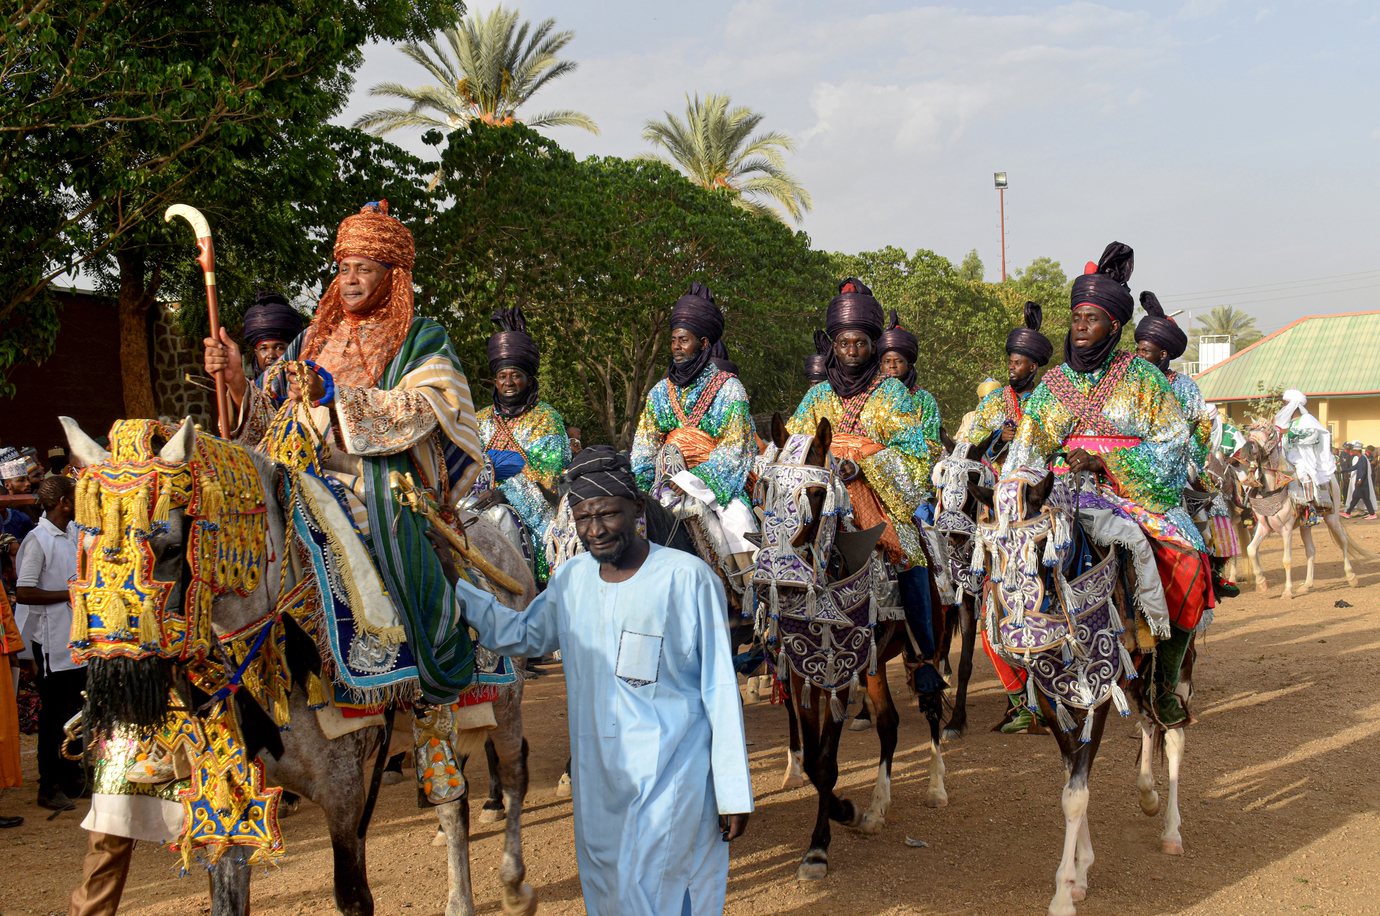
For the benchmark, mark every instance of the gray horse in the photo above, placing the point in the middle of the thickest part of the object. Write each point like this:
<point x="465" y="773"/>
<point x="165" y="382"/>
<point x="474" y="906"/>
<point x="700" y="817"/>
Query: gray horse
<point x="334" y="773"/>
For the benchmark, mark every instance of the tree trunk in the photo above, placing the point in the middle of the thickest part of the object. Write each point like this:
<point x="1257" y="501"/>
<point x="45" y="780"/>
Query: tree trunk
<point x="135" y="369"/>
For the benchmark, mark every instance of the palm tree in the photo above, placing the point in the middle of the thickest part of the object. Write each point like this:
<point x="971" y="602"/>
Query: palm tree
<point x="497" y="68"/>
<point x="714" y="148"/>
<point x="1223" y="321"/>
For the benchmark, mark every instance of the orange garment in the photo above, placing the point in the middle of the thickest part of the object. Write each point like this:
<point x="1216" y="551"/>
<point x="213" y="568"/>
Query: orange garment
<point x="10" y="644"/>
<point x="868" y="510"/>
<point x="695" y="444"/>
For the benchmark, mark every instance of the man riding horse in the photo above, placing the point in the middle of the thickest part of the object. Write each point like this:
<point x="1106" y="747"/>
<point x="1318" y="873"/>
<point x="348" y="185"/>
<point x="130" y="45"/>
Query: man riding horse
<point x="1027" y="352"/>
<point x="1116" y="417"/>
<point x="887" y="444"/>
<point x="387" y="392"/>
<point x="703" y="411"/>
<point x="519" y="422"/>
<point x="1160" y="340"/>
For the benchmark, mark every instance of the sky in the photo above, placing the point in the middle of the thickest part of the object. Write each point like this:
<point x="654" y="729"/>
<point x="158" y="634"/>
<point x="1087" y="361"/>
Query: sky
<point x="1229" y="143"/>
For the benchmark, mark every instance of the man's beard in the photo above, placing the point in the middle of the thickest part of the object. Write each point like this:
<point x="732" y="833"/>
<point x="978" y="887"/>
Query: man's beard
<point x="1021" y="384"/>
<point x="614" y="553"/>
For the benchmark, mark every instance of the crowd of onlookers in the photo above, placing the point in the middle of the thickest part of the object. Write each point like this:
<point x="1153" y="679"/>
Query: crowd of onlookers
<point x="1358" y="472"/>
<point x="42" y="685"/>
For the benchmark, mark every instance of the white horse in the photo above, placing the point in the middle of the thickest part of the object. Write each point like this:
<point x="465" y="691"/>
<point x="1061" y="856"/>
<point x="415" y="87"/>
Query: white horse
<point x="1278" y="499"/>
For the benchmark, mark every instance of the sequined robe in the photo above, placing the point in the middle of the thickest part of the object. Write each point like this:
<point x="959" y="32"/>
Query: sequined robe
<point x="908" y="432"/>
<point x="991" y="414"/>
<point x="1197" y="415"/>
<point x="726" y="420"/>
<point x="540" y="436"/>
<point x="1147" y="479"/>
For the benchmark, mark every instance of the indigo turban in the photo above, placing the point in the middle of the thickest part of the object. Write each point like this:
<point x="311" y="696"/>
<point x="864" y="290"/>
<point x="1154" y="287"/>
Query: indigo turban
<point x="1028" y="341"/>
<point x="1104" y="284"/>
<point x="815" y="366"/>
<point x="1163" y="332"/>
<point x="898" y="339"/>
<point x="697" y="313"/>
<point x="271" y="318"/>
<point x="511" y="345"/>
<point x="854" y="309"/>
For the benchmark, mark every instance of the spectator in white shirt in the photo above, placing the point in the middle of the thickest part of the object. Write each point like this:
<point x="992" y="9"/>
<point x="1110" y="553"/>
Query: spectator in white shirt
<point x="48" y="560"/>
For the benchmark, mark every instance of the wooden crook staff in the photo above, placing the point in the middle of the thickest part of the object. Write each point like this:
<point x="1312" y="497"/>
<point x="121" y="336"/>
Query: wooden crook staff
<point x="412" y="497"/>
<point x="207" y="260"/>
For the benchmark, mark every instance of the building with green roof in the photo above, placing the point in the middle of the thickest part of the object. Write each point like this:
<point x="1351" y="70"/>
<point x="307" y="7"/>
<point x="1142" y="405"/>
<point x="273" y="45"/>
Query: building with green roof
<point x="1334" y="359"/>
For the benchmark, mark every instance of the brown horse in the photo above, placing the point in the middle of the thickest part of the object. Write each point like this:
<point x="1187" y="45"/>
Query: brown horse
<point x="817" y="581"/>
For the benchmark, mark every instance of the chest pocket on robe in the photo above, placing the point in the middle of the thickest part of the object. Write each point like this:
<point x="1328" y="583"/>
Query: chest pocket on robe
<point x="639" y="658"/>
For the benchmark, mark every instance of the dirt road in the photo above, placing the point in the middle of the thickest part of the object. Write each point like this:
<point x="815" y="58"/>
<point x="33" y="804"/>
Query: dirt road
<point x="1280" y="803"/>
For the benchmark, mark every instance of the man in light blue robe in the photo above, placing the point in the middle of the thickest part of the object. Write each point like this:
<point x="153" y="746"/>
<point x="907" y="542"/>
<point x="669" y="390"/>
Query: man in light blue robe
<point x="660" y="777"/>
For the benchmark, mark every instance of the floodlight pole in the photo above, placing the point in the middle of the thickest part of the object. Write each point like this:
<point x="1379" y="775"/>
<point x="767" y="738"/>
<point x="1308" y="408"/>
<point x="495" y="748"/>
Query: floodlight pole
<point x="999" y="180"/>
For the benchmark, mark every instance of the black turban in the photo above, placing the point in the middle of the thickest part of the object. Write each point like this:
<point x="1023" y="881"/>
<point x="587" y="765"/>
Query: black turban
<point x="854" y="309"/>
<point x="1163" y="332"/>
<point x="1028" y="341"/>
<point x="271" y="318"/>
<point x="1104" y="285"/>
<point x="696" y="313"/>
<point x="815" y="370"/>
<point x="600" y="471"/>
<point x="511" y="347"/>
<point x="718" y="355"/>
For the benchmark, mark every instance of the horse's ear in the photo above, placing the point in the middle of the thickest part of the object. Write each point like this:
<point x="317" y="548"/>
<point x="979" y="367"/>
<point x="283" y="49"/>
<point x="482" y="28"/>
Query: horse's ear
<point x="778" y="429"/>
<point x="975" y="452"/>
<point x="947" y="441"/>
<point x="179" y="447"/>
<point x="824" y="437"/>
<point x="86" y="450"/>
<point x="1037" y="496"/>
<point x="982" y="494"/>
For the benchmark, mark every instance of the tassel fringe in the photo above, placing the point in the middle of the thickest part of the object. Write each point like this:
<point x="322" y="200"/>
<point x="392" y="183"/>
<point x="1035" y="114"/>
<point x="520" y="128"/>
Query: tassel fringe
<point x="1086" y="734"/>
<point x="1061" y="714"/>
<point x="316" y="693"/>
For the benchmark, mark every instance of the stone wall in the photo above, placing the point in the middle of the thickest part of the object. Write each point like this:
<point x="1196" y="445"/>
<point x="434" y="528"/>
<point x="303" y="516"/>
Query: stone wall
<point x="173" y="360"/>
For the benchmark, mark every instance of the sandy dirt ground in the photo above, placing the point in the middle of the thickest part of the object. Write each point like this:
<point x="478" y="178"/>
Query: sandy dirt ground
<point x="1280" y="803"/>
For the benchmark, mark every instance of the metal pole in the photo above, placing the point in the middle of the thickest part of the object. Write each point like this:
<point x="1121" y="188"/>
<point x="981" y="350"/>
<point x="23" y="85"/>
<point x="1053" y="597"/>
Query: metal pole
<point x="1002" y="192"/>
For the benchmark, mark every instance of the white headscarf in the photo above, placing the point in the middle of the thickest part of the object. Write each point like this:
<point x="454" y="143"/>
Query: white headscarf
<point x="1312" y="462"/>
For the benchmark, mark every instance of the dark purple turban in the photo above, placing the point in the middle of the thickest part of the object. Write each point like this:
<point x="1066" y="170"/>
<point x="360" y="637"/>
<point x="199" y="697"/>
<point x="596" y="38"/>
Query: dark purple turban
<point x="854" y="309"/>
<point x="815" y="366"/>
<point x="1104" y="284"/>
<point x="899" y="339"/>
<point x="718" y="355"/>
<point x="512" y="347"/>
<point x="1028" y="341"/>
<point x="1163" y="332"/>
<point x="600" y="471"/>
<point x="697" y="313"/>
<point x="271" y="318"/>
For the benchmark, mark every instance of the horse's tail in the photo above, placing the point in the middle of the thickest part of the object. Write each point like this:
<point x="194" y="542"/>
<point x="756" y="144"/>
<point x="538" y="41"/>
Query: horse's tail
<point x="1353" y="548"/>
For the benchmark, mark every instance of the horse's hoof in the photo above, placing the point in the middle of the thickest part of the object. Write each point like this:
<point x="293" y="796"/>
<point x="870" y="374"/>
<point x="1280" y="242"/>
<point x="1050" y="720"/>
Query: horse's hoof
<point x="859" y="725"/>
<point x="563" y="787"/>
<point x="439" y="839"/>
<point x="872" y="823"/>
<point x="522" y="903"/>
<point x="952" y="733"/>
<point x="489" y="815"/>
<point x="1287" y="594"/>
<point x="1150" y="804"/>
<point x="793" y="781"/>
<point x="812" y="871"/>
<point x="1172" y="847"/>
<point x="936" y="798"/>
<point x="1354" y="582"/>
<point x="1079" y="894"/>
<point x="1059" y="909"/>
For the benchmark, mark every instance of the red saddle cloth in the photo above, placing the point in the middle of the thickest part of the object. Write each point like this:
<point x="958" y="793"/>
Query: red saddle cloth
<point x="1187" y="578"/>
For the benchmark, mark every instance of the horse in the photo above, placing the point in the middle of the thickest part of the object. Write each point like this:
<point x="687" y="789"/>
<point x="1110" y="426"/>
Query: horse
<point x="1281" y="505"/>
<point x="302" y="758"/>
<point x="954" y="477"/>
<point x="1227" y="477"/>
<point x="817" y="582"/>
<point x="1054" y="605"/>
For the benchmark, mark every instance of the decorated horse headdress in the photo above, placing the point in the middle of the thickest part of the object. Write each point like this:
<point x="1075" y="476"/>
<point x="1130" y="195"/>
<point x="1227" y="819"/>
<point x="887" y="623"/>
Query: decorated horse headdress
<point x="119" y="608"/>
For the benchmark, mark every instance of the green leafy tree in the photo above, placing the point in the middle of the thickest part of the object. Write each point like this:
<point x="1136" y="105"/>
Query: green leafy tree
<point x="596" y="252"/>
<point x="111" y="112"/>
<point x="496" y="64"/>
<point x="715" y="147"/>
<point x="962" y="324"/>
<point x="972" y="268"/>
<point x="1045" y="282"/>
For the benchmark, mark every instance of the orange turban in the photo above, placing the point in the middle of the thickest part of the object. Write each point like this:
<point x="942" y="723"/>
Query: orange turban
<point x="356" y="349"/>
